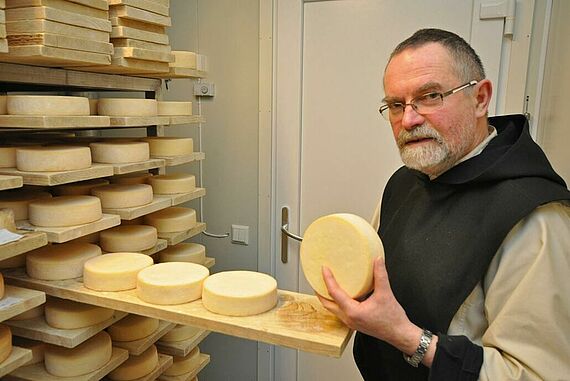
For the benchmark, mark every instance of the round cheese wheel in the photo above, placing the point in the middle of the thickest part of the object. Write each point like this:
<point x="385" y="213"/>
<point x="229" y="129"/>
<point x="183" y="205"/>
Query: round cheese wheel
<point x="129" y="238"/>
<point x="30" y="314"/>
<point x="184" y="364"/>
<point x="119" y="152"/>
<point x="169" y="146"/>
<point x="171" y="283"/>
<point x="3" y="105"/>
<point x="60" y="261"/>
<point x="37" y="348"/>
<point x="93" y="106"/>
<point x="47" y="105"/>
<point x="172" y="184"/>
<point x="123" y="196"/>
<point x="133" y="327"/>
<point x="173" y="219"/>
<point x="346" y="244"/>
<point x="2" y="289"/>
<point x="184" y="252"/>
<point x="127" y="107"/>
<point x="13" y="262"/>
<point x="85" y="358"/>
<point x="136" y="366"/>
<point x="174" y="108"/>
<point x="132" y="178"/>
<point x="5" y="342"/>
<point x="239" y="293"/>
<point x="183" y="59"/>
<point x="52" y="158"/>
<point x="180" y="332"/>
<point x="65" y="211"/>
<point x="79" y="188"/>
<point x="8" y="156"/>
<point x="114" y="272"/>
<point x="18" y="201"/>
<point x="67" y="314"/>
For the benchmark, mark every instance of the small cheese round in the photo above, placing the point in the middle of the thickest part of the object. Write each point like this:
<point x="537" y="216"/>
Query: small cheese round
<point x="173" y="219"/>
<point x="184" y="364"/>
<point x="79" y="188"/>
<point x="67" y="314"/>
<point x="65" y="211"/>
<point x="184" y="252"/>
<point x="239" y="293"/>
<point x="172" y="184"/>
<point x="52" y="158"/>
<point x="85" y="358"/>
<point x="346" y="244"/>
<point x="171" y="283"/>
<point x="174" y="108"/>
<point x="49" y="105"/>
<point x="136" y="366"/>
<point x="119" y="152"/>
<point x="116" y="196"/>
<point x="18" y="201"/>
<point x="30" y="314"/>
<point x="5" y="342"/>
<point x="132" y="178"/>
<point x="60" y="261"/>
<point x="169" y="146"/>
<point x="127" y="107"/>
<point x="133" y="327"/>
<point x="129" y="238"/>
<point x="180" y="332"/>
<point x="114" y="272"/>
<point x="8" y="156"/>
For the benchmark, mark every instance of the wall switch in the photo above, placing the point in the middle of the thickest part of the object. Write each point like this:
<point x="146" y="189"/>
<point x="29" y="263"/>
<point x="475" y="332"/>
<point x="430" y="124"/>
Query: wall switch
<point x="240" y="234"/>
<point x="204" y="89"/>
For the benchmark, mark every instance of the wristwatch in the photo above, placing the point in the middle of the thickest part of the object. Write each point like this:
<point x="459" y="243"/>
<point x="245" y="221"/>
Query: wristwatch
<point x="415" y="359"/>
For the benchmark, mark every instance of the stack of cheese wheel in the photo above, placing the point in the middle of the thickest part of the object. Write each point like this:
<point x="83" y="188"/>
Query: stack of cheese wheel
<point x="119" y="152"/>
<point x="239" y="293"/>
<point x="18" y="201"/>
<point x="170" y="108"/>
<point x="65" y="211"/>
<point x="47" y="105"/>
<point x="114" y="272"/>
<point x="184" y="364"/>
<point x="127" y="107"/>
<point x="60" y="261"/>
<point x="32" y="313"/>
<point x="5" y="342"/>
<point x="128" y="238"/>
<point x="37" y="348"/>
<point x="171" y="283"/>
<point x="346" y="244"/>
<point x="116" y="196"/>
<point x="132" y="178"/>
<point x="133" y="327"/>
<point x="67" y="314"/>
<point x="172" y="220"/>
<point x="79" y="188"/>
<point x="183" y="252"/>
<point x="136" y="367"/>
<point x="85" y="358"/>
<point x="52" y="158"/>
<point x="180" y="333"/>
<point x="162" y="146"/>
<point x="173" y="184"/>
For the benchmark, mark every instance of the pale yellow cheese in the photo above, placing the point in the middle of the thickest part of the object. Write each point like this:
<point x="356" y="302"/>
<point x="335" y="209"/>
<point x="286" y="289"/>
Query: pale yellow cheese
<point x="346" y="244"/>
<point x="172" y="184"/>
<point x="133" y="327"/>
<point x="162" y="146"/>
<point x="13" y="262"/>
<point x="184" y="364"/>
<point x="180" y="332"/>
<point x="171" y="283"/>
<point x="136" y="366"/>
<point x="115" y="271"/>
<point x="183" y="59"/>
<point x="65" y="211"/>
<point x="85" y="358"/>
<point x="30" y="314"/>
<point x="239" y="293"/>
<point x="119" y="152"/>
<point x="53" y="158"/>
<point x="18" y="200"/>
<point x="183" y="252"/>
<point x="93" y="106"/>
<point x="79" y="188"/>
<point x="60" y="261"/>
<point x="174" y="108"/>
<point x="5" y="342"/>
<point x="37" y="348"/>
<point x="129" y="238"/>
<point x="8" y="156"/>
<point x="3" y="105"/>
<point x="67" y="314"/>
<point x="132" y="178"/>
<point x="173" y="219"/>
<point x="127" y="107"/>
<point x="116" y="196"/>
<point x="48" y="105"/>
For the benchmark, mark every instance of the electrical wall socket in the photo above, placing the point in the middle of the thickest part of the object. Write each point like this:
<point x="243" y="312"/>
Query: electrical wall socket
<point x="240" y="234"/>
<point x="204" y="89"/>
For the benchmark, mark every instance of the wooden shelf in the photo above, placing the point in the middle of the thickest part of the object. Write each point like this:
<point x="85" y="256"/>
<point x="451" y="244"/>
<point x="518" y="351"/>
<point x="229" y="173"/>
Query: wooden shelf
<point x="186" y="119"/>
<point x="30" y="241"/>
<point x="38" y="329"/>
<point x="137" y="347"/>
<point x="17" y="358"/>
<point x="138" y="121"/>
<point x="171" y="161"/>
<point x="120" y="169"/>
<point x="177" y="237"/>
<point x="10" y="182"/>
<point x="67" y="233"/>
<point x="158" y="203"/>
<point x="204" y="360"/>
<point x="161" y="244"/>
<point x="297" y="321"/>
<point x="48" y="122"/>
<point x="63" y="177"/>
<point x="180" y="198"/>
<point x="37" y="372"/>
<point x="209" y="262"/>
<point x="164" y="362"/>
<point x="17" y="300"/>
<point x="183" y="347"/>
<point x="180" y="72"/>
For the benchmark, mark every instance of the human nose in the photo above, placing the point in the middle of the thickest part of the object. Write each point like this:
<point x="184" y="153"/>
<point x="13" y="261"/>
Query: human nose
<point x="410" y="117"/>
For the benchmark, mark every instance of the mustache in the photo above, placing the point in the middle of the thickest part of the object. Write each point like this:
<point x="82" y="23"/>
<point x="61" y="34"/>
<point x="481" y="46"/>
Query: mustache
<point x="420" y="132"/>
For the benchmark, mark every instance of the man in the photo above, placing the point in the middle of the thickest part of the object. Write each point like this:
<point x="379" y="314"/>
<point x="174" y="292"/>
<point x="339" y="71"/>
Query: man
<point x="476" y="231"/>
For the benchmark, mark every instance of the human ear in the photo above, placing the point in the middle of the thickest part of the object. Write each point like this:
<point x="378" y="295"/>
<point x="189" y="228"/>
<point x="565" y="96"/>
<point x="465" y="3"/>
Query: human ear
<point x="482" y="92"/>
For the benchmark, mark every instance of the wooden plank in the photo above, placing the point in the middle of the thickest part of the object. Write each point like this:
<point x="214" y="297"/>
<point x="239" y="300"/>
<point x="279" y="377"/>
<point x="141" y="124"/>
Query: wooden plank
<point x="136" y="347"/>
<point x="204" y="360"/>
<point x="151" y="6"/>
<point x="3" y="45"/>
<point x="177" y="237"/>
<point x="37" y="372"/>
<point x="49" y="56"/>
<point x="161" y="244"/>
<point x="164" y="3"/>
<point x="186" y="119"/>
<point x="2" y="16"/>
<point x="68" y="6"/>
<point x="64" y="234"/>
<point x="47" y="26"/>
<point x="183" y="347"/>
<point x="158" y="203"/>
<point x="64" y="177"/>
<point x="164" y="362"/>
<point x="30" y="241"/>
<point x="181" y="72"/>
<point x="171" y="161"/>
<point x="18" y="357"/>
<point x="118" y="21"/>
<point x="136" y="34"/>
<point x="17" y="300"/>
<point x="128" y="66"/>
<point x="137" y="14"/>
<point x="58" y="15"/>
<point x="180" y="198"/>
<point x="120" y="169"/>
<point x="142" y="54"/>
<point x="38" y="329"/>
<point x="60" y="41"/>
<point x="47" y="122"/>
<point x="130" y="43"/>
<point x="10" y="182"/>
<point x="138" y="121"/>
<point x="99" y="4"/>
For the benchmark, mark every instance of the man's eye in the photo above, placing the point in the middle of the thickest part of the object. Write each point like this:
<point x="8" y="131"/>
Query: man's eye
<point x="430" y="97"/>
<point x="395" y="106"/>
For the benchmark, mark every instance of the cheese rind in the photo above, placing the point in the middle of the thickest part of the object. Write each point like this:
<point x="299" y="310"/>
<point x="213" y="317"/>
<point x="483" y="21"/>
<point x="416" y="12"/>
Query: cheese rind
<point x="174" y="108"/>
<point x="346" y="244"/>
<point x="52" y="158"/>
<point x="136" y="366"/>
<point x="164" y="146"/>
<point x="65" y="211"/>
<point x="239" y="293"/>
<point x="182" y="365"/>
<point x="18" y="201"/>
<point x="8" y="156"/>
<point x="173" y="184"/>
<point x="79" y="188"/>
<point x="47" y="105"/>
<point x="183" y="252"/>
<point x="133" y="327"/>
<point x="5" y="342"/>
<point x="132" y="178"/>
<point x="60" y="261"/>
<point x="117" y="196"/>
<point x="119" y="152"/>
<point x="180" y="332"/>
<point x="127" y="107"/>
<point x="115" y="271"/>
<point x="67" y="314"/>
<point x="173" y="219"/>
<point x="128" y="238"/>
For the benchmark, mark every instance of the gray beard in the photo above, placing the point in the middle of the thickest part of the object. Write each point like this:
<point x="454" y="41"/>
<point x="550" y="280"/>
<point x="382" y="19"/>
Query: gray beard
<point x="430" y="158"/>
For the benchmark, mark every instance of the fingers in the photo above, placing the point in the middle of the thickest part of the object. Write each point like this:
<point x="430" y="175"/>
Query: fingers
<point x="381" y="281"/>
<point x="340" y="297"/>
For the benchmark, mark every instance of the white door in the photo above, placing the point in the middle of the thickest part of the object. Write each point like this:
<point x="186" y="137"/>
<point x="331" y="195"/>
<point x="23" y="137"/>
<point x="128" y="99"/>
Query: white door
<point x="332" y="150"/>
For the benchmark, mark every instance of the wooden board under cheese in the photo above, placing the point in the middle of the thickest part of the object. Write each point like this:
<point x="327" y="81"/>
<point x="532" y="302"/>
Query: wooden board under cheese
<point x="58" y="15"/>
<point x="147" y="5"/>
<point x="50" y="56"/>
<point x="60" y="41"/>
<point x="118" y="21"/>
<point x="122" y="65"/>
<point x="61" y="5"/>
<point x="130" y="43"/>
<point x="47" y="26"/>
<point x="137" y="14"/>
<point x="137" y="34"/>
<point x="142" y="54"/>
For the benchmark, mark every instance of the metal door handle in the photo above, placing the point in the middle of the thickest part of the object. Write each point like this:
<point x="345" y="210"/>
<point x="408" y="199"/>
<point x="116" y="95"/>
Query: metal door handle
<point x="286" y="233"/>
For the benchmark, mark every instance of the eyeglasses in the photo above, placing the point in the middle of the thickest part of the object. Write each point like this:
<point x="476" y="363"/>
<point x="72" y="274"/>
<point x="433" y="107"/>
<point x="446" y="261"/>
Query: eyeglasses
<point x="424" y="104"/>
